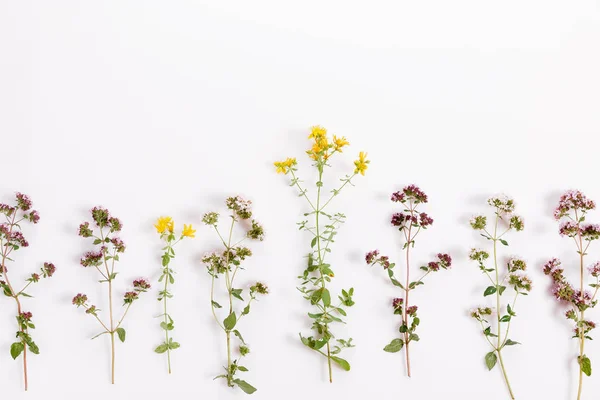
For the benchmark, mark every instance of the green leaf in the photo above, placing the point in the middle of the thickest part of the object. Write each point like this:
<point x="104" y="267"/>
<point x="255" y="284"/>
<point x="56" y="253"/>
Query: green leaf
<point x="504" y="242"/>
<point x="166" y="326"/>
<point x="501" y="289"/>
<point x="25" y="294"/>
<point x="341" y="362"/>
<point x="246" y="310"/>
<point x="586" y="365"/>
<point x="245" y="386"/>
<point x="230" y="321"/>
<point x="489" y="290"/>
<point x="414" y="336"/>
<point x="396" y="283"/>
<point x="394" y="346"/>
<point x="491" y="359"/>
<point x="510" y="311"/>
<point x="239" y="335"/>
<point x="326" y="297"/>
<point x="121" y="333"/>
<point x="316" y="296"/>
<point x="505" y="318"/>
<point x="242" y="368"/>
<point x="215" y="304"/>
<point x="174" y="345"/>
<point x="162" y="348"/>
<point x="16" y="349"/>
<point x="33" y="347"/>
<point x="510" y="342"/>
<point x="237" y="293"/>
<point x="313" y="242"/>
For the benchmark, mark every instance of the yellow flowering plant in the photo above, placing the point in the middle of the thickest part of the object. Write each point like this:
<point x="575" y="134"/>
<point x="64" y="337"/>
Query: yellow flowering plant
<point x="322" y="229"/>
<point x="226" y="264"/>
<point x="165" y="227"/>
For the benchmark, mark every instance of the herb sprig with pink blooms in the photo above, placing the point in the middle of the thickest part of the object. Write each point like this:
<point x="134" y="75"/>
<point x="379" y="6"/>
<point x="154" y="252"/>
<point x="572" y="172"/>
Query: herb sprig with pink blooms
<point x="495" y="323"/>
<point x="11" y="240"/>
<point x="165" y="227"/>
<point x="109" y="247"/>
<point x="322" y="230"/>
<point x="409" y="222"/>
<point x="572" y="209"/>
<point x="226" y="264"/>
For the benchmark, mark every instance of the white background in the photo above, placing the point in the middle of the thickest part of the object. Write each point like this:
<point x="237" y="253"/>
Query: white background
<point x="152" y="108"/>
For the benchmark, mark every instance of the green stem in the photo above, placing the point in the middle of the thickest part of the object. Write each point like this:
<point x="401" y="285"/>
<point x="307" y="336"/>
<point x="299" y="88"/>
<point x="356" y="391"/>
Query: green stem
<point x="167" y="321"/>
<point x="318" y="228"/>
<point x="499" y="344"/>
<point x="581" y="334"/>
<point x="229" y="283"/>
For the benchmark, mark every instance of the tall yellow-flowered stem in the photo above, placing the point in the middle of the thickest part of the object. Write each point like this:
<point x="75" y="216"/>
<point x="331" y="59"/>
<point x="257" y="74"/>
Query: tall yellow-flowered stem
<point x="320" y="256"/>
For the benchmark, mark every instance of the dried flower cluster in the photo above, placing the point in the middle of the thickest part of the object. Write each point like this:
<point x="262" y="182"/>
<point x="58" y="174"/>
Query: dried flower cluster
<point x="571" y="212"/>
<point x="409" y="222"/>
<point x="226" y="264"/>
<point x="322" y="230"/>
<point x="165" y="227"/>
<point x="11" y="240"/>
<point x="109" y="246"/>
<point x="494" y="323"/>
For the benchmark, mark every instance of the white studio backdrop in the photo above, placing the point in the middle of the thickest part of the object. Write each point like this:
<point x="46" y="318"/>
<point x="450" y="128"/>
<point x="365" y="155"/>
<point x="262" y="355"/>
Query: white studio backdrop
<point x="165" y="108"/>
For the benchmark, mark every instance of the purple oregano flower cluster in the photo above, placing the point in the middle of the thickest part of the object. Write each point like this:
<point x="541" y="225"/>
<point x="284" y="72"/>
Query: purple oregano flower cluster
<point x="409" y="222"/>
<point x="108" y="249"/>
<point x="11" y="240"/>
<point x="571" y="212"/>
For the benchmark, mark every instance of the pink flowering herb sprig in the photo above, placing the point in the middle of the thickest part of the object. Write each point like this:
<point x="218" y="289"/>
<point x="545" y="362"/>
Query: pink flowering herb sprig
<point x="226" y="264"/>
<point x="409" y="222"/>
<point x="11" y="240"/>
<point x="109" y="247"/>
<point x="165" y="227"/>
<point x="572" y="210"/>
<point x="512" y="275"/>
<point x="322" y="229"/>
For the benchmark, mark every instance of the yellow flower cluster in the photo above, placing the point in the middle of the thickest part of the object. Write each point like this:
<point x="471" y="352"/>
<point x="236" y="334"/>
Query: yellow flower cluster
<point x="322" y="148"/>
<point x="284" y="166"/>
<point x="361" y="163"/>
<point x="188" y="231"/>
<point x="164" y="224"/>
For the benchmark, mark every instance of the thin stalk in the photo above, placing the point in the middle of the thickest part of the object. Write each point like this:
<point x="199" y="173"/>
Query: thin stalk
<point x="317" y="212"/>
<point x="111" y="314"/>
<point x="166" y="322"/>
<point x="499" y="345"/>
<point x="229" y="284"/>
<point x="409" y="239"/>
<point x="5" y="253"/>
<point x="581" y="334"/>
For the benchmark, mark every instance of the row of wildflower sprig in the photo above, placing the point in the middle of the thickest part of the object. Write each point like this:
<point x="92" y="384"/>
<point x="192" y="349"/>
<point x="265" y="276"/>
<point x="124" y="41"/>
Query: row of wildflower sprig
<point x="410" y="222"/>
<point x="165" y="227"/>
<point x="227" y="263"/>
<point x="108" y="249"/>
<point x="318" y="272"/>
<point x="572" y="209"/>
<point x="11" y="240"/>
<point x="504" y="221"/>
